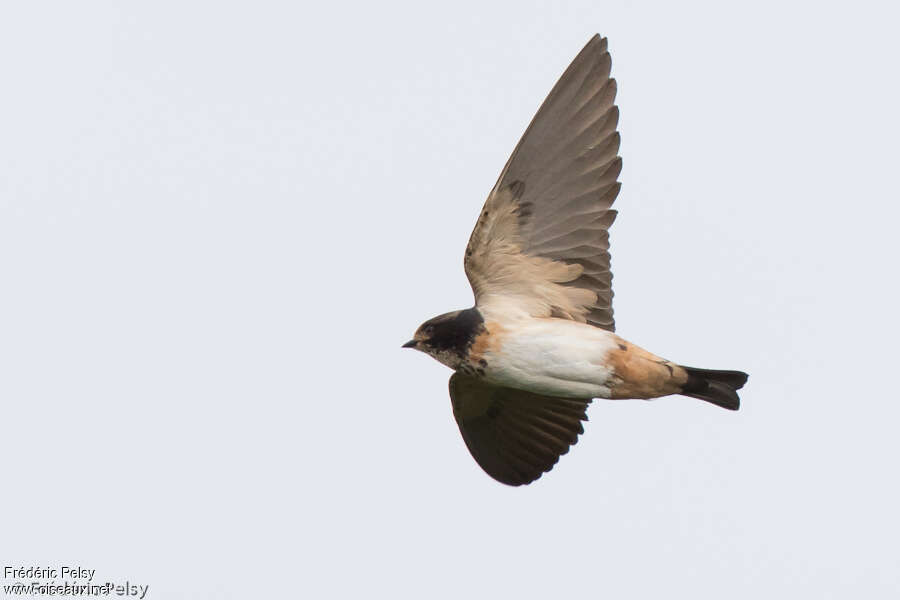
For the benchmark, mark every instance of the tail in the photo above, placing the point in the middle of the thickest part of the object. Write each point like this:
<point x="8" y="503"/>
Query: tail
<point x="717" y="387"/>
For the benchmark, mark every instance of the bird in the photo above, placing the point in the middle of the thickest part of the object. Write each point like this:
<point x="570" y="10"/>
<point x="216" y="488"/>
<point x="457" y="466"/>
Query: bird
<point x="540" y="343"/>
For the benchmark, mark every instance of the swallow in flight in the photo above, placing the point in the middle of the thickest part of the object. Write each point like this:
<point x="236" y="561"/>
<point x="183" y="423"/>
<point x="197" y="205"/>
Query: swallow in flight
<point x="539" y="344"/>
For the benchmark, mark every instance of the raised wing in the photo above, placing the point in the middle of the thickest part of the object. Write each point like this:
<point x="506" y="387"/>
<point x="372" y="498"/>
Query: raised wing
<point x="515" y="436"/>
<point x="542" y="239"/>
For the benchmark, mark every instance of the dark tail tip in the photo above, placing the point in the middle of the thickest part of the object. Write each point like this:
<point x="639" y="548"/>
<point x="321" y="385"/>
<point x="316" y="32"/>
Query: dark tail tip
<point x="718" y="387"/>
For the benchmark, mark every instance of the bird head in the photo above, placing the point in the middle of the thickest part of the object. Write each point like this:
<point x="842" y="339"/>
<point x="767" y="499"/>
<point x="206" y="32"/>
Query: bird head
<point x="446" y="337"/>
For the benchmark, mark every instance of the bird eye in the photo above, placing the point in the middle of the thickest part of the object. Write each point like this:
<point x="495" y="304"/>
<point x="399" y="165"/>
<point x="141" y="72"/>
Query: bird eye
<point x="429" y="330"/>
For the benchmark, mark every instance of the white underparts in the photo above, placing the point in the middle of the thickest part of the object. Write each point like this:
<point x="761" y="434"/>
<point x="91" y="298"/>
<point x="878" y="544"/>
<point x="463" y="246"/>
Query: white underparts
<point x="556" y="357"/>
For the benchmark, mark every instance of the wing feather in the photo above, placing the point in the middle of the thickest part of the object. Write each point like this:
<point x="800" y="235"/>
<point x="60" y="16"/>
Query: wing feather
<point x="515" y="436"/>
<point x="541" y="242"/>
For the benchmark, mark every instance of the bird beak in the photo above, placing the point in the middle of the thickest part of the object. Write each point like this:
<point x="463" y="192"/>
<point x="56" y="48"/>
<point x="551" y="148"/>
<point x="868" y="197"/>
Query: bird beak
<point x="410" y="344"/>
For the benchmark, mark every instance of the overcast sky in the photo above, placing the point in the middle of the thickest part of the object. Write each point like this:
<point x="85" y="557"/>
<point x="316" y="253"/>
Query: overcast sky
<point x="219" y="221"/>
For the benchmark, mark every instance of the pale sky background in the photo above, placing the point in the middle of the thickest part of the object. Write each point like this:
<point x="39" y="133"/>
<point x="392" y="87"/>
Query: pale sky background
<point x="219" y="221"/>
